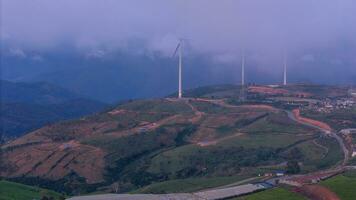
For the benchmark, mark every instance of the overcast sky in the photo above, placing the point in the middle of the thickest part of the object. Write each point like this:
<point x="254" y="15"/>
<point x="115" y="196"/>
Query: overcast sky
<point x="224" y="25"/>
<point x="263" y="28"/>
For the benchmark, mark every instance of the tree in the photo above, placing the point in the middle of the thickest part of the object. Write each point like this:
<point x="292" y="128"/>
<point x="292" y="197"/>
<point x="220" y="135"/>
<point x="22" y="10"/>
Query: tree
<point x="293" y="167"/>
<point x="295" y="154"/>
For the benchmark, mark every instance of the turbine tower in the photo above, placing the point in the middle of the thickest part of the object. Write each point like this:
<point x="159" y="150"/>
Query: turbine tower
<point x="242" y="91"/>
<point x="285" y="70"/>
<point x="179" y="50"/>
<point x="243" y="70"/>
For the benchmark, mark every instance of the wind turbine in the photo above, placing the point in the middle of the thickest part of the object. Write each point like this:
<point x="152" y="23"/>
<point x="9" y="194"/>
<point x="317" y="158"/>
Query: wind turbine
<point x="179" y="50"/>
<point x="285" y="69"/>
<point x="242" y="91"/>
<point x="243" y="69"/>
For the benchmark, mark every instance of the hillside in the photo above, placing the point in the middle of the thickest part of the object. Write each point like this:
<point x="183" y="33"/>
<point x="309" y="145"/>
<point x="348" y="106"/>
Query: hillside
<point x="29" y="106"/>
<point x="34" y="93"/>
<point x="155" y="144"/>
<point x="343" y="185"/>
<point x="16" y="191"/>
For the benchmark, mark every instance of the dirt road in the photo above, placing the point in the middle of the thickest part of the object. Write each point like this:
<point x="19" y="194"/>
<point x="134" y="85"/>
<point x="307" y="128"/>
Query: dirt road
<point x="325" y="128"/>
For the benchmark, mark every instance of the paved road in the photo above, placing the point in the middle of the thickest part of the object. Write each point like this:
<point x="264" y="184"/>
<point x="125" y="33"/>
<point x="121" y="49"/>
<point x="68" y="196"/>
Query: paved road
<point x="212" y="194"/>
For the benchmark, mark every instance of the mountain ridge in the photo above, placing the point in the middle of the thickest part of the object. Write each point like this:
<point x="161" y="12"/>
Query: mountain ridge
<point x="28" y="106"/>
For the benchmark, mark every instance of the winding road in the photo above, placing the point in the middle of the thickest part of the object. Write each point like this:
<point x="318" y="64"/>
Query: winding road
<point x="326" y="132"/>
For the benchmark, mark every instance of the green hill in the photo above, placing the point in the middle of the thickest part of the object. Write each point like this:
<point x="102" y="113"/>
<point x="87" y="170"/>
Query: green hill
<point x="151" y="146"/>
<point x="16" y="191"/>
<point x="343" y="185"/>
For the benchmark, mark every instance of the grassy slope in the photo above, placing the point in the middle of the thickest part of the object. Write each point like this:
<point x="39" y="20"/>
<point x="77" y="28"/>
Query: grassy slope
<point x="178" y="158"/>
<point x="269" y="132"/>
<point x="16" y="191"/>
<point x="316" y="158"/>
<point x="277" y="122"/>
<point x="343" y="185"/>
<point x="273" y="194"/>
<point x="334" y="155"/>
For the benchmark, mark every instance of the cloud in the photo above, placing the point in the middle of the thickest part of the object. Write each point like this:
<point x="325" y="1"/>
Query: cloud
<point x="213" y="26"/>
<point x="308" y="58"/>
<point x="96" y="54"/>
<point x="226" y="58"/>
<point x="16" y="52"/>
<point x="165" y="44"/>
<point x="265" y="29"/>
<point x="37" y="58"/>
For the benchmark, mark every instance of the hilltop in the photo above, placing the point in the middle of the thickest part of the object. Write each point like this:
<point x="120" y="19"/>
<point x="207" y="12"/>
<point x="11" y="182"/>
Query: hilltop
<point x="210" y="138"/>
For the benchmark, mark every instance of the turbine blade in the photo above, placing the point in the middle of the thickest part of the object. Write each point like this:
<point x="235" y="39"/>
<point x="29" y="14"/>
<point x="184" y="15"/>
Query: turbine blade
<point x="175" y="52"/>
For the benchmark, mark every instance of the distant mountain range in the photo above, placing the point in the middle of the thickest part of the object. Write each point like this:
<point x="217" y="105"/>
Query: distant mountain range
<point x="28" y="106"/>
<point x="114" y="75"/>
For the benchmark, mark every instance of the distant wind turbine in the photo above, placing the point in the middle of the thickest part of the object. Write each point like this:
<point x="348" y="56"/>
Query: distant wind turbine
<point x="243" y="69"/>
<point x="242" y="91"/>
<point x="285" y="69"/>
<point x="179" y="50"/>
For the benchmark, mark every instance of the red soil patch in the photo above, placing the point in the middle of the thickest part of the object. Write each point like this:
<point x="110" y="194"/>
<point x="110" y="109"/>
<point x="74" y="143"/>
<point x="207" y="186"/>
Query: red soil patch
<point x="208" y="128"/>
<point x="317" y="192"/>
<point x="313" y="122"/>
<point x="55" y="160"/>
<point x="146" y="126"/>
<point x="261" y="106"/>
<point x="214" y="142"/>
<point x="117" y="112"/>
<point x="314" y="177"/>
<point x="267" y="90"/>
<point x="70" y="144"/>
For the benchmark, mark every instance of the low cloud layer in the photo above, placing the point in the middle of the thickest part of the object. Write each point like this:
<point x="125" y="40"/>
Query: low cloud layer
<point x="227" y="25"/>
<point x="308" y="30"/>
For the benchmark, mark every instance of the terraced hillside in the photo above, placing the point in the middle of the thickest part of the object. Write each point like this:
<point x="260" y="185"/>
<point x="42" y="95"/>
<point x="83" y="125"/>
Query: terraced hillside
<point x="166" y="142"/>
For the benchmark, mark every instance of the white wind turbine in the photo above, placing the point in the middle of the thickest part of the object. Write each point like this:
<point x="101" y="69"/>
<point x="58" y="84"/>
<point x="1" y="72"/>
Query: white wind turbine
<point x="242" y="91"/>
<point x="285" y="69"/>
<point x="243" y="69"/>
<point x="179" y="50"/>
